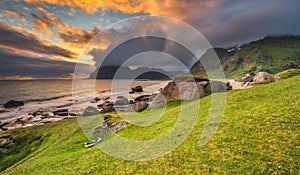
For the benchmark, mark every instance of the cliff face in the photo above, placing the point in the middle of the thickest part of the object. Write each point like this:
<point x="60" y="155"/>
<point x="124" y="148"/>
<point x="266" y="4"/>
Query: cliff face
<point x="272" y="54"/>
<point x="109" y="72"/>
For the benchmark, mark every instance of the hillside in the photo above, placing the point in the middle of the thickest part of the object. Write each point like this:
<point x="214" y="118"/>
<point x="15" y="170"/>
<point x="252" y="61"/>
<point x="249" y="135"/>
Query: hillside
<point x="271" y="54"/>
<point x="259" y="134"/>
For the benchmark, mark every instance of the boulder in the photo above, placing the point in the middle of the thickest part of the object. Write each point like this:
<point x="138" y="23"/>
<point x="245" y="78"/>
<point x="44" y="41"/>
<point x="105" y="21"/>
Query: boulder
<point x="43" y="112"/>
<point x="107" y="117"/>
<point x="143" y="98"/>
<point x="107" y="121"/>
<point x="105" y="128"/>
<point x="93" y="101"/>
<point x="118" y="126"/>
<point x="107" y="108"/>
<point x="13" y="103"/>
<point x="61" y="112"/>
<point x="90" y="111"/>
<point x="6" y="140"/>
<point x="140" y="106"/>
<point x="217" y="86"/>
<point x="121" y="101"/>
<point x="244" y="78"/>
<point x="137" y="89"/>
<point x="17" y="123"/>
<point x="188" y="89"/>
<point x="102" y="103"/>
<point x="3" y="124"/>
<point x="105" y="98"/>
<point x="97" y="99"/>
<point x="100" y="129"/>
<point x="240" y="85"/>
<point x="3" y="111"/>
<point x="265" y="77"/>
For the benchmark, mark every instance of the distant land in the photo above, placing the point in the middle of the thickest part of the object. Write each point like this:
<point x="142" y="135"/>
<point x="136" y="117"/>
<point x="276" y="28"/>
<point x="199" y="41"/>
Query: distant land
<point x="108" y="72"/>
<point x="271" y="54"/>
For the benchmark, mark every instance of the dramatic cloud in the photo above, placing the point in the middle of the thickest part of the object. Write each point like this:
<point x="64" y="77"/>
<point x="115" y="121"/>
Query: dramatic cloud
<point x="78" y="37"/>
<point x="118" y="44"/>
<point x="14" y="66"/>
<point x="224" y="22"/>
<point x="60" y="29"/>
<point x="47" y="22"/>
<point x="174" y="8"/>
<point x="240" y="22"/>
<point x="10" y="37"/>
<point x="15" y="14"/>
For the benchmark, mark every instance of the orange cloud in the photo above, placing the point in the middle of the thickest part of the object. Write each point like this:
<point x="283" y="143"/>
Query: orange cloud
<point x="24" y="40"/>
<point x="173" y="8"/>
<point x="15" y="14"/>
<point x="44" y="21"/>
<point x="17" y="77"/>
<point x="22" y="78"/>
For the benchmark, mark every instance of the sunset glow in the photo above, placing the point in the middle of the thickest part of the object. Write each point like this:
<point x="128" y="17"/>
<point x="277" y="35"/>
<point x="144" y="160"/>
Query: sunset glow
<point x="59" y="30"/>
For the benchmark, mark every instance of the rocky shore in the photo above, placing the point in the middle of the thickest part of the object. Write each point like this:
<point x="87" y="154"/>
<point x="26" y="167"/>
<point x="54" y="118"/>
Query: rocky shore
<point x="135" y="100"/>
<point x="106" y="102"/>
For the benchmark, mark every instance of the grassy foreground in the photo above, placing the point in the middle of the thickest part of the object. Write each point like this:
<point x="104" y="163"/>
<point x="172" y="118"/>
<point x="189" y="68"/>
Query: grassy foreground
<point x="259" y="134"/>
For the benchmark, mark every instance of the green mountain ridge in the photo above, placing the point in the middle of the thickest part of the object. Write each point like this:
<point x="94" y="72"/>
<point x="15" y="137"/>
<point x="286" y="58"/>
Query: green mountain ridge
<point x="271" y="54"/>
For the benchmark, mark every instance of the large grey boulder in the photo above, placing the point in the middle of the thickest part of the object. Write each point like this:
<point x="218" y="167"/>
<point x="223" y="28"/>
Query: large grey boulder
<point x="122" y="101"/>
<point x="188" y="89"/>
<point x="265" y="77"/>
<point x="90" y="111"/>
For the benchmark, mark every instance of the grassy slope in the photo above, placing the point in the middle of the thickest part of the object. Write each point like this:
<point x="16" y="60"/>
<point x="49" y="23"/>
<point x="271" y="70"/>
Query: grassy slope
<point x="259" y="134"/>
<point x="270" y="54"/>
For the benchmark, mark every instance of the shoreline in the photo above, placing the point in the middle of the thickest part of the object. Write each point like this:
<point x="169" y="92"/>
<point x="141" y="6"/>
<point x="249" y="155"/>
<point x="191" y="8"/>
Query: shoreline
<point x="40" y="112"/>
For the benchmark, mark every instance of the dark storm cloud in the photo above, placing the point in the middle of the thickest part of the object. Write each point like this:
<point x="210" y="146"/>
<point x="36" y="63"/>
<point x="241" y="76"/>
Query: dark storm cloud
<point x="21" y="40"/>
<point x="12" y="64"/>
<point x="238" y="22"/>
<point x="135" y="46"/>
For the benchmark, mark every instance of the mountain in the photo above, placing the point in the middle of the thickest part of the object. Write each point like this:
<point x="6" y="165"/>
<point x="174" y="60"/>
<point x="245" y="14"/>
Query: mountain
<point x="108" y="72"/>
<point x="272" y="54"/>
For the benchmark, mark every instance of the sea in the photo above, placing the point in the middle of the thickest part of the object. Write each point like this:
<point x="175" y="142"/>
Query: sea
<point x="58" y="94"/>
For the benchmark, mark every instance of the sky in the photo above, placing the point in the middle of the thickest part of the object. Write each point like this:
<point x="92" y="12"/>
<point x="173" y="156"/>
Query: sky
<point x="46" y="39"/>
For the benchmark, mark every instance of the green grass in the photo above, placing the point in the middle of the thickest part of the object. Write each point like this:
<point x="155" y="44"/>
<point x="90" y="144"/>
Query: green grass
<point x="289" y="73"/>
<point x="259" y="134"/>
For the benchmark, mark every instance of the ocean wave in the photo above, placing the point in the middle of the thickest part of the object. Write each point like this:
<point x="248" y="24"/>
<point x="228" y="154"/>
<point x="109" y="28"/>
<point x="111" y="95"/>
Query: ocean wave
<point x="46" y="98"/>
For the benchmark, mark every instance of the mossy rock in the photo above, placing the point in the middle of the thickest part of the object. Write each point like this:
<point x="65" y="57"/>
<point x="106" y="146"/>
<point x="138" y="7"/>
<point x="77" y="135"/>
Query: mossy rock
<point x="289" y="73"/>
